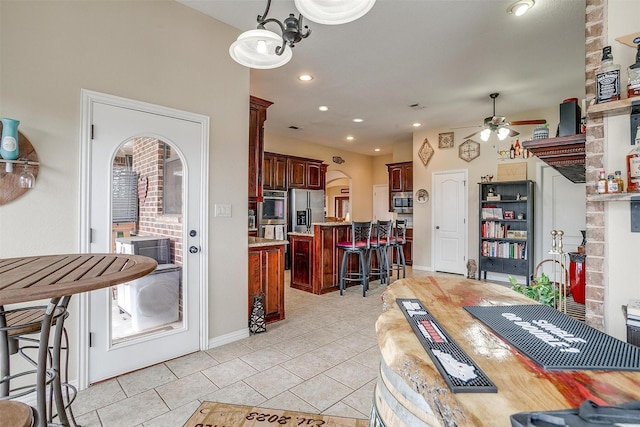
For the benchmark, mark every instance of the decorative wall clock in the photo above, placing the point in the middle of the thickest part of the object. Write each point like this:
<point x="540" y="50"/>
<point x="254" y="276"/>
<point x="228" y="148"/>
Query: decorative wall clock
<point x="425" y="152"/>
<point x="469" y="150"/>
<point x="445" y="140"/>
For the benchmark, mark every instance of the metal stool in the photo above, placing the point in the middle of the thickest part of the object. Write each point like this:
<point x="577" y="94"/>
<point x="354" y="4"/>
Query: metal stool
<point x="16" y="414"/>
<point x="380" y="245"/>
<point x="359" y="244"/>
<point x="398" y="239"/>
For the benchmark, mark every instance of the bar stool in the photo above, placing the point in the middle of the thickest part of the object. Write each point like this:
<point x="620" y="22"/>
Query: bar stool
<point x="398" y="239"/>
<point x="16" y="414"/>
<point x="359" y="244"/>
<point x="380" y="245"/>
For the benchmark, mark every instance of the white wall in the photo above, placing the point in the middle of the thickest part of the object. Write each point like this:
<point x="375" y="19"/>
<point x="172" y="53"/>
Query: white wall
<point x="159" y="52"/>
<point x="621" y="268"/>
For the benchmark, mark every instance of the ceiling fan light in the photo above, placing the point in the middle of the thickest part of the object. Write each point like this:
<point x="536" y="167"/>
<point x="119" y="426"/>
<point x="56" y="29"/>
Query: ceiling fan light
<point x="333" y="12"/>
<point x="485" y="134"/>
<point x="503" y="133"/>
<point x="520" y="7"/>
<point x="257" y="49"/>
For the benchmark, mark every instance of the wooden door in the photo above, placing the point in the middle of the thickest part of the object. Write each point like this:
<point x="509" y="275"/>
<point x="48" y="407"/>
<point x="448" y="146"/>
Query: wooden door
<point x="297" y="173"/>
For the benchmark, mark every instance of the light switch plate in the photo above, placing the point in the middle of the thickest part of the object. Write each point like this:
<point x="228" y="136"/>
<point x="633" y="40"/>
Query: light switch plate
<point x="222" y="210"/>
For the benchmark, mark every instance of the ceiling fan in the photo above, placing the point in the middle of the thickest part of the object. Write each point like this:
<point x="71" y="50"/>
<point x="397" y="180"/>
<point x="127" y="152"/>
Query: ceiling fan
<point x="500" y="126"/>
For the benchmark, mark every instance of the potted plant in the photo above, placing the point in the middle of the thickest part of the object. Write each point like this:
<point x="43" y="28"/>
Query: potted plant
<point x="541" y="289"/>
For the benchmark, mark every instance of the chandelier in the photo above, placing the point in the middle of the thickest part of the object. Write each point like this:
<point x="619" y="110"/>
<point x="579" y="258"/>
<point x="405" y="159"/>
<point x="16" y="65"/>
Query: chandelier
<point x="265" y="49"/>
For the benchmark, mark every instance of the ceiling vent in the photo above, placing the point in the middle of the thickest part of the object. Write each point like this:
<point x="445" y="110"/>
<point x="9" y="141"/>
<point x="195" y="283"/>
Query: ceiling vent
<point x="294" y="127"/>
<point x="417" y="107"/>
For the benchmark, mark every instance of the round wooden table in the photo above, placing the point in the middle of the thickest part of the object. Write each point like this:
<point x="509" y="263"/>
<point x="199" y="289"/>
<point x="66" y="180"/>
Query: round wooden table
<point x="56" y="277"/>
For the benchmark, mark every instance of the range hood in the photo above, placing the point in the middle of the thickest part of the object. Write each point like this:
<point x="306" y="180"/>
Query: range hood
<point x="566" y="154"/>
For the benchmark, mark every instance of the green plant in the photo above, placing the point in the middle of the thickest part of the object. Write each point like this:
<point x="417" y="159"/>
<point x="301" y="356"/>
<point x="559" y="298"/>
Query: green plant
<point x="541" y="289"/>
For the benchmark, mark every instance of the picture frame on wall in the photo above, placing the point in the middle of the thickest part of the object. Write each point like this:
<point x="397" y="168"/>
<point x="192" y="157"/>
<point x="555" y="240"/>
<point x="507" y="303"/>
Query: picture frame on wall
<point x="445" y="140"/>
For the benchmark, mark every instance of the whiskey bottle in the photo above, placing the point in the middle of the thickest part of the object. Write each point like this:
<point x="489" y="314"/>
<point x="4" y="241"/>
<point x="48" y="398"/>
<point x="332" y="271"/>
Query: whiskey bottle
<point x="633" y="165"/>
<point x="608" y="78"/>
<point x="620" y="182"/>
<point x="612" y="184"/>
<point x="633" y="88"/>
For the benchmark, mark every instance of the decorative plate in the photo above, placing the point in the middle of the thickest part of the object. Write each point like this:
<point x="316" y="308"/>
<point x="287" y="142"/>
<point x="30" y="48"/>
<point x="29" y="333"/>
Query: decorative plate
<point x="425" y="152"/>
<point x="445" y="140"/>
<point x="422" y="196"/>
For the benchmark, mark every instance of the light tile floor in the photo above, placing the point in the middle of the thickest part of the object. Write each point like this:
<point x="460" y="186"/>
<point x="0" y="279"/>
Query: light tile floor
<point x="323" y="358"/>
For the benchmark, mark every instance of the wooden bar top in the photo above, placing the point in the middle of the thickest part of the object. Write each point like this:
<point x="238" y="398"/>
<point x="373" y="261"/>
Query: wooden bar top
<point x="37" y="277"/>
<point x="415" y="387"/>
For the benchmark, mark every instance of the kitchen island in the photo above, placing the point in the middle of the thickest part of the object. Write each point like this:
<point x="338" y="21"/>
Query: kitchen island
<point x="315" y="260"/>
<point x="266" y="275"/>
<point x="411" y="391"/>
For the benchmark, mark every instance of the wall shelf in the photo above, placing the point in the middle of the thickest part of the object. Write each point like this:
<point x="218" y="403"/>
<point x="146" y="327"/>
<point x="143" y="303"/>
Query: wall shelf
<point x="9" y="182"/>
<point x="622" y="106"/>
<point x="614" y="197"/>
<point x="566" y="154"/>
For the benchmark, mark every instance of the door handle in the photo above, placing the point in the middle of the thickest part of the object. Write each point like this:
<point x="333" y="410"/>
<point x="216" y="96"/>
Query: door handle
<point x="437" y="227"/>
<point x="194" y="249"/>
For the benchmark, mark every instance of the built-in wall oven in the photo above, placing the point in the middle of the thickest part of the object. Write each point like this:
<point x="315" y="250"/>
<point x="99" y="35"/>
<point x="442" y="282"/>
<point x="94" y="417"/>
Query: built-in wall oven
<point x="272" y="214"/>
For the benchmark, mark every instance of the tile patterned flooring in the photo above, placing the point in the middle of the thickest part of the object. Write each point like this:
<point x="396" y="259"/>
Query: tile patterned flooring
<point x="323" y="358"/>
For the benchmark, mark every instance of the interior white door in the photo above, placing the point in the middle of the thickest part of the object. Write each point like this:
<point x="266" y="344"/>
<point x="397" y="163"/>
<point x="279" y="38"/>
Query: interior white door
<point x="450" y="221"/>
<point x="113" y="126"/>
<point x="381" y="204"/>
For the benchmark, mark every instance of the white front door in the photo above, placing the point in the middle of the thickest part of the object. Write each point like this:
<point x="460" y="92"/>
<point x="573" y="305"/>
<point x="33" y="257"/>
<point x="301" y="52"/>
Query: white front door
<point x="450" y="221"/>
<point x="157" y="317"/>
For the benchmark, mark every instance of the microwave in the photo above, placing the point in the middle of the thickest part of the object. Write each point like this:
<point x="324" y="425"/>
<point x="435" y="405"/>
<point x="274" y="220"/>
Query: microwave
<point x="402" y="202"/>
<point x="273" y="209"/>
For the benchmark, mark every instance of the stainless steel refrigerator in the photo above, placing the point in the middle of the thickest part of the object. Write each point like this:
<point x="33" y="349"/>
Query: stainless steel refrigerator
<point x="306" y="207"/>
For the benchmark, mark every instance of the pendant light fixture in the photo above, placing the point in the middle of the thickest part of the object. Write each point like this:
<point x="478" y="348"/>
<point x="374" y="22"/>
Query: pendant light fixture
<point x="333" y="12"/>
<point x="265" y="49"/>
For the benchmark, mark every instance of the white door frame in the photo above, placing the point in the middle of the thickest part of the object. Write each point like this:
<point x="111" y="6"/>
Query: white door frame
<point x="465" y="173"/>
<point x="87" y="99"/>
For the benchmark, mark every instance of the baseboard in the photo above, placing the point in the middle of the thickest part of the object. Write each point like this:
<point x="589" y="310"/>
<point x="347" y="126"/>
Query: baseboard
<point x="421" y="267"/>
<point x="228" y="338"/>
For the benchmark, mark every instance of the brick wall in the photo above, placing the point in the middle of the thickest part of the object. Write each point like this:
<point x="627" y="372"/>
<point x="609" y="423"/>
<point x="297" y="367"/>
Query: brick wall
<point x="148" y="162"/>
<point x="595" y="40"/>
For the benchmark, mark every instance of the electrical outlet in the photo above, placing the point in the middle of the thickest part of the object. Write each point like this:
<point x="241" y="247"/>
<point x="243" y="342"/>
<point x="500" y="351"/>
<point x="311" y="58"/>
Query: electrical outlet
<point x="222" y="210"/>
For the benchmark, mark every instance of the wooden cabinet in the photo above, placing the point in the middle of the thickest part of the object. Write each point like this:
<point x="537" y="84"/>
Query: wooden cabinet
<point x="301" y="248"/>
<point x="400" y="176"/>
<point x="274" y="172"/>
<point x="257" y="117"/>
<point x="506" y="228"/>
<point x="408" y="247"/>
<point x="266" y="276"/>
<point x="306" y="173"/>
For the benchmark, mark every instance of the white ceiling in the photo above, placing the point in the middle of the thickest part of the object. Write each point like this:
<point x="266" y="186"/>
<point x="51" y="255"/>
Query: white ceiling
<point x="445" y="55"/>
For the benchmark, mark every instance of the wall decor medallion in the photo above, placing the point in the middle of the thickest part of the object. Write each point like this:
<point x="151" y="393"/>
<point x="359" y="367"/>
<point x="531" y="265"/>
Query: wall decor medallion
<point x="422" y="196"/>
<point x="469" y="150"/>
<point x="425" y="152"/>
<point x="445" y="140"/>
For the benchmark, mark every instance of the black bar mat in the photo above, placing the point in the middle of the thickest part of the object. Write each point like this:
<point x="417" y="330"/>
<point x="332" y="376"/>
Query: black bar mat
<point x="556" y="341"/>
<point x="458" y="370"/>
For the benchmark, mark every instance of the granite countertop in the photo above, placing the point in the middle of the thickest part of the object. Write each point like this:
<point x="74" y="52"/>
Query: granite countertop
<point x="261" y="241"/>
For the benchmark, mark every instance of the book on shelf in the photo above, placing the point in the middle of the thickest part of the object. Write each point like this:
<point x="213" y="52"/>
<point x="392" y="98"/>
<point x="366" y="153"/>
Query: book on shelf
<point x="491" y="213"/>
<point x="494" y="198"/>
<point x="504" y="250"/>
<point x="517" y="234"/>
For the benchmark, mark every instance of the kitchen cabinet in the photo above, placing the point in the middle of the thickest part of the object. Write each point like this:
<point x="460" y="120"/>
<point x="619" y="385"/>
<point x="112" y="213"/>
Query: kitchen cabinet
<point x="506" y="228"/>
<point x="301" y="247"/>
<point x="274" y="172"/>
<point x="266" y="277"/>
<point x="400" y="176"/>
<point x="257" y="117"/>
<point x="306" y="173"/>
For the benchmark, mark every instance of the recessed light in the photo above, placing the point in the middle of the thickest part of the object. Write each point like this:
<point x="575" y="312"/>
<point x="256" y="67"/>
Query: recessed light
<point x="358" y="120"/>
<point x="323" y="108"/>
<point x="376" y="149"/>
<point x="305" y="77"/>
<point x="350" y="138"/>
<point x="520" y="7"/>
<point x="417" y="125"/>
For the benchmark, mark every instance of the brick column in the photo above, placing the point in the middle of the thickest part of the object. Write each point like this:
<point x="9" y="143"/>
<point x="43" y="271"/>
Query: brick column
<point x="596" y="280"/>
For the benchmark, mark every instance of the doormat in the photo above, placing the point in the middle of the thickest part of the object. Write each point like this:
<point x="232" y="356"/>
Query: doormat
<point x="211" y="414"/>
<point x="556" y="341"/>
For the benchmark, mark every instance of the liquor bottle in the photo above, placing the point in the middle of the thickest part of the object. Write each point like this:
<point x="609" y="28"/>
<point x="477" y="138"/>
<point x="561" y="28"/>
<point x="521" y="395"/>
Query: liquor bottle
<point x="518" y="152"/>
<point x="512" y="152"/>
<point x="633" y="165"/>
<point x="612" y="184"/>
<point x="620" y="182"/>
<point x="608" y="78"/>
<point x="633" y="88"/>
<point x="601" y="185"/>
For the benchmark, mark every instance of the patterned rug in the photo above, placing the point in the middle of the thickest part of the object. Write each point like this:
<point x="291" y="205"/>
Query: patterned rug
<point x="223" y="414"/>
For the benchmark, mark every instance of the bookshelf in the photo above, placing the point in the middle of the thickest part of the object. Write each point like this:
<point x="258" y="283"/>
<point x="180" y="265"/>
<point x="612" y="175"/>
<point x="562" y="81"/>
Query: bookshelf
<point x="505" y="243"/>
